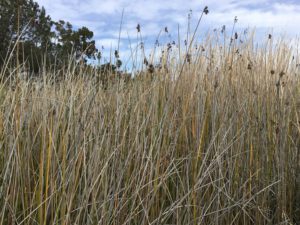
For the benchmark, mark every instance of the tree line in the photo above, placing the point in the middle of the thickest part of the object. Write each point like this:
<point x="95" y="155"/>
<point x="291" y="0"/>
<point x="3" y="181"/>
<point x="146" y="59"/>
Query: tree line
<point x="30" y="37"/>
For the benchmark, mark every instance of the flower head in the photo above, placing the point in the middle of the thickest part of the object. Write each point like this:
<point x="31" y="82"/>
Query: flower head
<point x="138" y="27"/>
<point x="205" y="10"/>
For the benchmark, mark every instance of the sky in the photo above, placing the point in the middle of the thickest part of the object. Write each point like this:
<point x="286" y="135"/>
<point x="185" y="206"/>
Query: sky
<point x="104" y="17"/>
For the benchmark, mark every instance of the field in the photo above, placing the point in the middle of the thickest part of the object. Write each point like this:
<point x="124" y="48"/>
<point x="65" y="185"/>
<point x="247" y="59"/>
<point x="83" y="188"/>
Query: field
<point x="210" y="137"/>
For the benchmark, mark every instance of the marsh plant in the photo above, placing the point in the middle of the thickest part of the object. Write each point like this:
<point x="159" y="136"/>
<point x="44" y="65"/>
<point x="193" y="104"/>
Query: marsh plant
<point x="213" y="139"/>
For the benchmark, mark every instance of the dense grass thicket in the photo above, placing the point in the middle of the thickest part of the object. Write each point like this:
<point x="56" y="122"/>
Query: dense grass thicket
<point x="208" y="137"/>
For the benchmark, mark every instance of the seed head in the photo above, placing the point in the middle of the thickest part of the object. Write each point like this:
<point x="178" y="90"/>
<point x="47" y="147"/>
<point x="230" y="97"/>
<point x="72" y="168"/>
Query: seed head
<point x="223" y="29"/>
<point x="117" y="54"/>
<point x="190" y="14"/>
<point x="188" y="58"/>
<point x="235" y="19"/>
<point x="151" y="68"/>
<point x="282" y="73"/>
<point x="119" y="63"/>
<point x="216" y="85"/>
<point x="145" y="61"/>
<point x="138" y="27"/>
<point x="169" y="46"/>
<point x="236" y="36"/>
<point x="205" y="10"/>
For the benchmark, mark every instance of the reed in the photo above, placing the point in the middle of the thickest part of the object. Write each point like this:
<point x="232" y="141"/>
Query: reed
<point x="211" y="140"/>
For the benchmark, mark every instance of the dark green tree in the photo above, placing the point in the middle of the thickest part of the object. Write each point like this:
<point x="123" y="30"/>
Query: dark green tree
<point x="26" y="30"/>
<point x="30" y="34"/>
<point x="77" y="43"/>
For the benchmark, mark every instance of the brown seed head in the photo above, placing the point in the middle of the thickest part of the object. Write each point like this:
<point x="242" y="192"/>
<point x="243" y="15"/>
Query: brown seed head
<point x="188" y="58"/>
<point x="169" y="46"/>
<point x="117" y="54"/>
<point x="151" y="68"/>
<point x="138" y="27"/>
<point x="205" y="10"/>
<point x="281" y="74"/>
<point x="145" y="61"/>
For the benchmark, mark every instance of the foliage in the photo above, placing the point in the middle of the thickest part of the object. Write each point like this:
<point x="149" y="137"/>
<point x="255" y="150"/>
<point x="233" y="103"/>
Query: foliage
<point x="33" y="37"/>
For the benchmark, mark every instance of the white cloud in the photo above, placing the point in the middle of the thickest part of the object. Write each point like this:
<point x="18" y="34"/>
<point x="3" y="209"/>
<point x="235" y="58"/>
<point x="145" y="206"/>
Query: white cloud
<point x="280" y="17"/>
<point x="108" y="43"/>
<point x="258" y="13"/>
<point x="103" y="17"/>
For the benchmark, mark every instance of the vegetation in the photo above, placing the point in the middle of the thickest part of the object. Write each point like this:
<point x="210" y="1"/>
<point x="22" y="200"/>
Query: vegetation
<point x="34" y="38"/>
<point x="208" y="136"/>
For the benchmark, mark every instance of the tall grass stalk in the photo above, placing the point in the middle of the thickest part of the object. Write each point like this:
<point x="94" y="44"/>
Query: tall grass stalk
<point x="218" y="144"/>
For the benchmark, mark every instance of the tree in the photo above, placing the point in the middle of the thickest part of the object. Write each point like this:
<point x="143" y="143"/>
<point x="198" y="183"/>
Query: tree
<point x="23" y="23"/>
<point x="6" y="27"/>
<point x="26" y="25"/>
<point x="78" y="43"/>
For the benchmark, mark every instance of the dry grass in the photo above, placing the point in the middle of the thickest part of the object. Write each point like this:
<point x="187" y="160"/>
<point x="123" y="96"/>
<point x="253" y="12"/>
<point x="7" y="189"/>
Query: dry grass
<point x="217" y="145"/>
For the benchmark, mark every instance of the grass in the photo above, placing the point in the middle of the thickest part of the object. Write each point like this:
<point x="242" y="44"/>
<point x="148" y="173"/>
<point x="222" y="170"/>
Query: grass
<point x="211" y="140"/>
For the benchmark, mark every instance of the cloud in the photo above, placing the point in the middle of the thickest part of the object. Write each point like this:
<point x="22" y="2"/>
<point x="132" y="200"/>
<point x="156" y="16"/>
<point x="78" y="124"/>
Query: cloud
<point x="104" y="17"/>
<point x="107" y="43"/>
<point x="154" y="14"/>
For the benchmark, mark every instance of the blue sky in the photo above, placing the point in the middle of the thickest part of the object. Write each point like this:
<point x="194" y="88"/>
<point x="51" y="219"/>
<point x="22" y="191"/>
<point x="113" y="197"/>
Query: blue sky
<point x="103" y="17"/>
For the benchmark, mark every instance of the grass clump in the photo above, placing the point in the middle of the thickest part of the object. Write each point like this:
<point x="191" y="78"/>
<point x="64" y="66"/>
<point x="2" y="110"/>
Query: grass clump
<point x="214" y="140"/>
